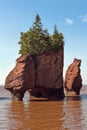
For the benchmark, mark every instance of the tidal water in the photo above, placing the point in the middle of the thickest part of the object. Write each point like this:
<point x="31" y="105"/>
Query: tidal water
<point x="68" y="114"/>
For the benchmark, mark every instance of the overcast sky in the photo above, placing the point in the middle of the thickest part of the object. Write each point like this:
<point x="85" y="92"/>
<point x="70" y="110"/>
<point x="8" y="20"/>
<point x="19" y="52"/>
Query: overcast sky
<point x="17" y="16"/>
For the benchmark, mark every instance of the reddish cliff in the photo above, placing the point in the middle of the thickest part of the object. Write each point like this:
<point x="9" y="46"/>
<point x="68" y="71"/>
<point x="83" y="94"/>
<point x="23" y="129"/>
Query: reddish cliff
<point x="73" y="80"/>
<point x="41" y="75"/>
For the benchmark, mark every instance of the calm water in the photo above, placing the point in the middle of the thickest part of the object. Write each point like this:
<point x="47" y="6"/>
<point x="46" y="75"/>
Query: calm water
<point x="69" y="114"/>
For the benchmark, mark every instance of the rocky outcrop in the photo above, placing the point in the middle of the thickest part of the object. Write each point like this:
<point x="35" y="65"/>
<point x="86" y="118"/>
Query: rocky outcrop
<point x="73" y="80"/>
<point x="41" y="75"/>
<point x="21" y="77"/>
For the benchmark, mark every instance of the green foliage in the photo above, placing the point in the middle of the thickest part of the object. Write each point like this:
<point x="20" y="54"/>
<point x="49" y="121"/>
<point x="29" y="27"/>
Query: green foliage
<point x="57" y="39"/>
<point x="37" y="40"/>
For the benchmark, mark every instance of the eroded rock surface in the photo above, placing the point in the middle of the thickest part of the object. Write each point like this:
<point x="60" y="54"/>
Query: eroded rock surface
<point x="22" y="77"/>
<point x="41" y="75"/>
<point x="73" y="80"/>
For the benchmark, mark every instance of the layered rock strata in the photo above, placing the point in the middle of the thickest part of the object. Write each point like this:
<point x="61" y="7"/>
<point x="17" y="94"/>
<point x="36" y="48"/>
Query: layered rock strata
<point x="41" y="75"/>
<point x="73" y="80"/>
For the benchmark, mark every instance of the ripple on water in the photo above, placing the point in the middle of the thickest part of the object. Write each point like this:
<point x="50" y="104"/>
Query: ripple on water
<point x="69" y="114"/>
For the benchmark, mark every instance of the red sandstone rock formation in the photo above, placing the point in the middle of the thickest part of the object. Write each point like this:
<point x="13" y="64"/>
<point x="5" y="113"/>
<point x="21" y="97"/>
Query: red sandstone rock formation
<point x="41" y="75"/>
<point x="21" y="77"/>
<point x="73" y="80"/>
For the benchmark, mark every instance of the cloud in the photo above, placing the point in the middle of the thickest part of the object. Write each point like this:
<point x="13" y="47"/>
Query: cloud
<point x="69" y="21"/>
<point x="84" y="18"/>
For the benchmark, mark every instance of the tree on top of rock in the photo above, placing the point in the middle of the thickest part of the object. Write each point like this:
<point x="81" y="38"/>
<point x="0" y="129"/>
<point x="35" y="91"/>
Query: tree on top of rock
<point x="37" y="24"/>
<point x="57" y="39"/>
<point x="37" y="40"/>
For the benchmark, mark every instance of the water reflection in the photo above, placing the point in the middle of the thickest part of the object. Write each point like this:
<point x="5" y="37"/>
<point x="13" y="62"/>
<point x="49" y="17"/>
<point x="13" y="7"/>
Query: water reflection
<point x="35" y="116"/>
<point x="72" y="110"/>
<point x="70" y="114"/>
<point x="46" y="115"/>
<point x="19" y="116"/>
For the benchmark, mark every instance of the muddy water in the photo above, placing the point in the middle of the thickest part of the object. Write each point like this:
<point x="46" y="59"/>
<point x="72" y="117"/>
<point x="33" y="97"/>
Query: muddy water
<point x="69" y="114"/>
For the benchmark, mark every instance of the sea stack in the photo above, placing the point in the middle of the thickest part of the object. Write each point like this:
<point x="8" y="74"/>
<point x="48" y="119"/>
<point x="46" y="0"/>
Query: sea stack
<point x="41" y="75"/>
<point x="73" y="80"/>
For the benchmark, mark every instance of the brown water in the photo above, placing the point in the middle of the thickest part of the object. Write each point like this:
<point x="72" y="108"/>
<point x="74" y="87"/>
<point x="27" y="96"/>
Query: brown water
<point x="69" y="114"/>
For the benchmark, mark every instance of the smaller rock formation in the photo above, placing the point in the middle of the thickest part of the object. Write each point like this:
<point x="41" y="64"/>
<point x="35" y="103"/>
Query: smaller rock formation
<point x="73" y="80"/>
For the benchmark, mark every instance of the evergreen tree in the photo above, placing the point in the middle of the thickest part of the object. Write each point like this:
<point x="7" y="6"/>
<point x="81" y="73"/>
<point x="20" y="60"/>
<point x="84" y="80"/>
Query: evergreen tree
<point x="57" y="39"/>
<point x="37" y="40"/>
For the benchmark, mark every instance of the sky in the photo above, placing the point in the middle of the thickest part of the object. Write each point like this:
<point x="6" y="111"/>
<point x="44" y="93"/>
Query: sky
<point x="17" y="16"/>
